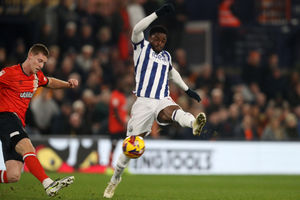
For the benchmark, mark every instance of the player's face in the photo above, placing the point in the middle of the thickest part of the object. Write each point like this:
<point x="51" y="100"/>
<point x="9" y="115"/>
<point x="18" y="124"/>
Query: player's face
<point x="37" y="62"/>
<point x="158" y="41"/>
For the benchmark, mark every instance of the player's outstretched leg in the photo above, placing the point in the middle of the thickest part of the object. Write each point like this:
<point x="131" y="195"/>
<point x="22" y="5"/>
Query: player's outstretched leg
<point x="199" y="123"/>
<point x="55" y="186"/>
<point x="116" y="178"/>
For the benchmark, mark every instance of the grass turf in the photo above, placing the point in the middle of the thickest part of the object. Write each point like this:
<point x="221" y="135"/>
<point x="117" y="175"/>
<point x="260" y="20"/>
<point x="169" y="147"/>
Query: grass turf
<point x="148" y="187"/>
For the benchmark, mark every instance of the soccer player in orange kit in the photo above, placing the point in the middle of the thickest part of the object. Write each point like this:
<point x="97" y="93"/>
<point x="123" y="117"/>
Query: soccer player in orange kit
<point x="17" y="86"/>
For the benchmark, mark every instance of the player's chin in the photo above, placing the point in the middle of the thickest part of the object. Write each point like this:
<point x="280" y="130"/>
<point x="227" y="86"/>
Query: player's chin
<point x="157" y="50"/>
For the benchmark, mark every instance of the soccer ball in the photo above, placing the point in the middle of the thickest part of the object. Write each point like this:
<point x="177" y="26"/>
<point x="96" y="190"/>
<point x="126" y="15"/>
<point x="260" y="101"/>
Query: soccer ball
<point x="133" y="146"/>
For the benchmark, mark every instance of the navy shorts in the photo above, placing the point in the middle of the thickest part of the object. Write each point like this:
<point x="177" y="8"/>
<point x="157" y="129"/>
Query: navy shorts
<point x="11" y="132"/>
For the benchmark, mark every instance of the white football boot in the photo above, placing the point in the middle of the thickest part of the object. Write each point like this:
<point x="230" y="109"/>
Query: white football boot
<point x="199" y="123"/>
<point x="56" y="185"/>
<point x="110" y="189"/>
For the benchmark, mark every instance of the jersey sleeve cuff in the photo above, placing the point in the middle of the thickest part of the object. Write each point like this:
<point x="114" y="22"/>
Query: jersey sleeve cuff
<point x="135" y="45"/>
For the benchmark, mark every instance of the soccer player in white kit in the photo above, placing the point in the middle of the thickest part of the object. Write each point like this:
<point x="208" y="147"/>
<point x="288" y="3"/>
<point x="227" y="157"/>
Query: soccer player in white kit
<point x="153" y="70"/>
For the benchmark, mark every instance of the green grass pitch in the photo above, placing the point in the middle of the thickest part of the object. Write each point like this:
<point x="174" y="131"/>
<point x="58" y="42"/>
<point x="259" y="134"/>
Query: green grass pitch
<point x="158" y="187"/>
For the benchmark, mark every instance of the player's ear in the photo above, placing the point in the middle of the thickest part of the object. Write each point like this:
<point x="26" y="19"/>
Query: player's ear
<point x="29" y="55"/>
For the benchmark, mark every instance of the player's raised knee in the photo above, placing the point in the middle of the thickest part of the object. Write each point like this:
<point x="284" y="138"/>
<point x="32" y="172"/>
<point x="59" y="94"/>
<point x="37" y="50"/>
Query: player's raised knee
<point x="13" y="177"/>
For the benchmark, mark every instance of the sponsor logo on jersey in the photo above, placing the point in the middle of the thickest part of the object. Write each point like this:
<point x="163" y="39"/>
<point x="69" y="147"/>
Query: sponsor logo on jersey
<point x="159" y="57"/>
<point x="26" y="95"/>
<point x="2" y="72"/>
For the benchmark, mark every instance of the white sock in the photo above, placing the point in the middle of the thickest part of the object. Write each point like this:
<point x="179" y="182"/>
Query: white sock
<point x="185" y="119"/>
<point x="47" y="182"/>
<point x="122" y="163"/>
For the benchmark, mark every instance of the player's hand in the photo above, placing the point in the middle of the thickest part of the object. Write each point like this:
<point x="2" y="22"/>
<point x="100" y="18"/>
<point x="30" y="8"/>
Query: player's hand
<point x="166" y="9"/>
<point x="73" y="83"/>
<point x="193" y="95"/>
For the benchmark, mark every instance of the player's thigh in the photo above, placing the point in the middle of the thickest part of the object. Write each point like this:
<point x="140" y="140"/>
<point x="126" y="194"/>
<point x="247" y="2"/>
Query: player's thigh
<point x="142" y="116"/>
<point x="165" y="115"/>
<point x="24" y="146"/>
<point x="165" y="110"/>
<point x="11" y="132"/>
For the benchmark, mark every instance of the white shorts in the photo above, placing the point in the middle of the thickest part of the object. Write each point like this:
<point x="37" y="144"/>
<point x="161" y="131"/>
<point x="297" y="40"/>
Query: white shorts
<point x="143" y="113"/>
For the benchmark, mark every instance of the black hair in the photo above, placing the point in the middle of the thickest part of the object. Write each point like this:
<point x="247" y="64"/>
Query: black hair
<point x="158" y="29"/>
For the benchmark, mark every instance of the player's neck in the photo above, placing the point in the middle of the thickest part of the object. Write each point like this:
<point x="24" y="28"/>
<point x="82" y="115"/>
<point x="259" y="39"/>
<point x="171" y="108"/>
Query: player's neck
<point x="26" y="68"/>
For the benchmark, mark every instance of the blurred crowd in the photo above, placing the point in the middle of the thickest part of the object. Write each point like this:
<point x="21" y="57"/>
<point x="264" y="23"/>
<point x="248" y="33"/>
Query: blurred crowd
<point x="90" y="40"/>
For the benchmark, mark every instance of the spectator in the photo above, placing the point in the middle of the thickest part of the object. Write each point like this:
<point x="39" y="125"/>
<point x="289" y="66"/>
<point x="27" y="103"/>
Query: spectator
<point x="204" y="80"/>
<point x="44" y="110"/>
<point x="54" y="51"/>
<point x="69" y="40"/>
<point x="40" y="18"/>
<point x="135" y="11"/>
<point x="67" y="67"/>
<point x="86" y="35"/>
<point x="291" y="126"/>
<point x="107" y="15"/>
<point x="50" y="68"/>
<point x="176" y="25"/>
<point x="275" y="84"/>
<point x="84" y="61"/>
<point x="252" y="71"/>
<point x="232" y="122"/>
<point x="216" y="100"/>
<point x="246" y="130"/>
<point x="19" y="52"/>
<point x="64" y="13"/>
<point x="60" y="124"/>
<point x="180" y="62"/>
<point x="76" y="125"/>
<point x="274" y="130"/>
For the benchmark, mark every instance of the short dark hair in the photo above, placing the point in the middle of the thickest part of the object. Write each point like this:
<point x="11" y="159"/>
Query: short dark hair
<point x="39" y="48"/>
<point x="158" y="29"/>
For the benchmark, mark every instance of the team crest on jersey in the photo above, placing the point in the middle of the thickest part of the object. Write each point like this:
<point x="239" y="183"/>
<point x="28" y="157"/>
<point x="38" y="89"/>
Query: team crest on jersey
<point x="26" y="95"/>
<point x="2" y="72"/>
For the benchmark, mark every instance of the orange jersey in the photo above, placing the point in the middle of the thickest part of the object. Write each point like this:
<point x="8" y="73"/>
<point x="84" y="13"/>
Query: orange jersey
<point x="17" y="89"/>
<point x="117" y="102"/>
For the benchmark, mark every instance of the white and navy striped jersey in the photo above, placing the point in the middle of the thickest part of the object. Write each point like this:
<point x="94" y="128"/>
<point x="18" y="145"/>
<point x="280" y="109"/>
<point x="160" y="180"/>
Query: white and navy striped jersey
<point x="151" y="71"/>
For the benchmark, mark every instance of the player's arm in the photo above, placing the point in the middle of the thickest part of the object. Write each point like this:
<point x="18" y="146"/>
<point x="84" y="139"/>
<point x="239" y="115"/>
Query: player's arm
<point x="59" y="84"/>
<point x="176" y="78"/>
<point x="137" y="32"/>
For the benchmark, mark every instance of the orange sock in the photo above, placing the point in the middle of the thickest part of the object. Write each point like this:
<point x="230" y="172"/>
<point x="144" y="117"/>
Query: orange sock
<point x="34" y="166"/>
<point x="3" y="176"/>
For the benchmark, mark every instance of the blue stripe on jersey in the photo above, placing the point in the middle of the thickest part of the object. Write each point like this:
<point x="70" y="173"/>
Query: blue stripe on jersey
<point x="143" y="71"/>
<point x="161" y="80"/>
<point x="137" y="63"/>
<point x="167" y="88"/>
<point x="151" y="79"/>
